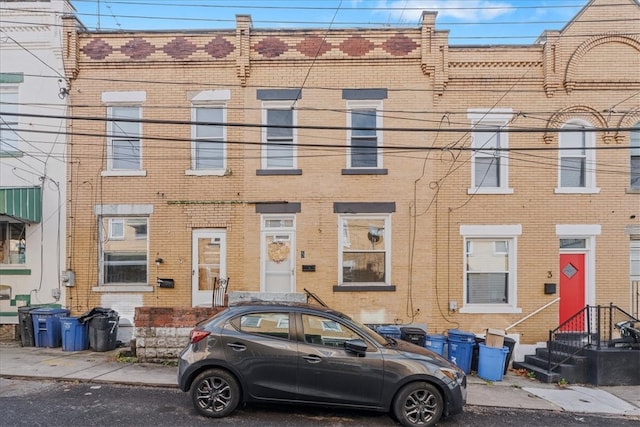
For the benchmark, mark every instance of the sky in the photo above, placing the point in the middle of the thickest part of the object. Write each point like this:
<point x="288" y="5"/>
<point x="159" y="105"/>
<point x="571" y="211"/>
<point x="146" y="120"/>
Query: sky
<point x="484" y="22"/>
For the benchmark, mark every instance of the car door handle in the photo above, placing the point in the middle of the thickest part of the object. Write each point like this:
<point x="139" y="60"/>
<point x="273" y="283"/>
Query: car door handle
<point x="312" y="358"/>
<point x="237" y="347"/>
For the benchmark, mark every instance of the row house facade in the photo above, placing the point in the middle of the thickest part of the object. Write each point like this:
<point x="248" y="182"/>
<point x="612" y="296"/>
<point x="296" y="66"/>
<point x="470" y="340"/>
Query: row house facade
<point x="400" y="179"/>
<point x="32" y="157"/>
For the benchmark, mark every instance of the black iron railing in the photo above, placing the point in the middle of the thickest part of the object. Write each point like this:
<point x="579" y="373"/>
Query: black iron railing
<point x="591" y="327"/>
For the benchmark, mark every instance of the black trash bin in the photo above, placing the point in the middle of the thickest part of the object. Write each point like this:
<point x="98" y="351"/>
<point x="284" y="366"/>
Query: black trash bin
<point x="414" y="335"/>
<point x="103" y="328"/>
<point x="510" y="343"/>
<point x="27" y="338"/>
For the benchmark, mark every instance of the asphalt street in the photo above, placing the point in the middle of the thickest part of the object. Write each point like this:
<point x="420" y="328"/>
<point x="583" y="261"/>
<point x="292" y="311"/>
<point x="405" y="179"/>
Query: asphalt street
<point x="69" y="404"/>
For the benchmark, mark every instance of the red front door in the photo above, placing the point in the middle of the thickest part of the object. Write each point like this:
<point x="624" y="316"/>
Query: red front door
<point x="572" y="285"/>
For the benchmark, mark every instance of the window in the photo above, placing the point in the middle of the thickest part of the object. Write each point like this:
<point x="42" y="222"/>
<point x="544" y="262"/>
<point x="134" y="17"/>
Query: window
<point x="327" y="332"/>
<point x="365" y="250"/>
<point x="278" y="136"/>
<point x="13" y="243"/>
<point x="124" y="145"/>
<point x="634" y="179"/>
<point x="124" y="251"/>
<point x="577" y="159"/>
<point x="275" y="325"/>
<point x="116" y="229"/>
<point x="490" y="284"/>
<point x="634" y="264"/>
<point x="208" y="148"/>
<point x="365" y="138"/>
<point x="490" y="162"/>
<point x="9" y="139"/>
<point x="488" y="159"/>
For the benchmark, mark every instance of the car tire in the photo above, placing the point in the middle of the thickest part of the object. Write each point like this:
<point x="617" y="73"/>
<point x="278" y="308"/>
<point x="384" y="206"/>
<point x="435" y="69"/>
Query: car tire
<point x="418" y="404"/>
<point x="215" y="393"/>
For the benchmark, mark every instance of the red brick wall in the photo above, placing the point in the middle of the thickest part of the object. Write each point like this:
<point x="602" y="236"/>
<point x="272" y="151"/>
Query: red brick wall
<point x="148" y="317"/>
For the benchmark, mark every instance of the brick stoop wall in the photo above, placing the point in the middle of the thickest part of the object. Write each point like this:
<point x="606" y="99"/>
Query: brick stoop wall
<point x="162" y="332"/>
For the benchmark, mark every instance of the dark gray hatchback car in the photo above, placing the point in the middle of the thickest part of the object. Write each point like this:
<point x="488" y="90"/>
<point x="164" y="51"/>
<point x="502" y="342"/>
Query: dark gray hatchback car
<point x="305" y="354"/>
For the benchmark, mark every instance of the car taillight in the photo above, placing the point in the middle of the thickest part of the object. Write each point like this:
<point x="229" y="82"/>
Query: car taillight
<point x="197" y="335"/>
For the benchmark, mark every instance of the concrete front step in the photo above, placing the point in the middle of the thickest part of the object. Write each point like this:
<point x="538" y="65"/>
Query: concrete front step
<point x="570" y="371"/>
<point x="541" y="374"/>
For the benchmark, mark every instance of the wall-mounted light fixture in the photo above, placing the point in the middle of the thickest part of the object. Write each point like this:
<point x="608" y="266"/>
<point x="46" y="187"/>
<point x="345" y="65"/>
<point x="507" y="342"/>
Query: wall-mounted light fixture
<point x="159" y="261"/>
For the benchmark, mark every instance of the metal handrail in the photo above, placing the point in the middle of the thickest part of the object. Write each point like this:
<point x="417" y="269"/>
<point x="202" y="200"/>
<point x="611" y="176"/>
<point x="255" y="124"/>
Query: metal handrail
<point x="533" y="313"/>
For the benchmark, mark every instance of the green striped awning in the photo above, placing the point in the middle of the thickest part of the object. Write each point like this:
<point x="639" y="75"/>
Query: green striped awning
<point x="21" y="204"/>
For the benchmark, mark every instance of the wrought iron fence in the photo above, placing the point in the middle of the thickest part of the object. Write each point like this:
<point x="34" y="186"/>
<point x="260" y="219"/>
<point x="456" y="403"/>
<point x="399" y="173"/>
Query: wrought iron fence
<point x="591" y="327"/>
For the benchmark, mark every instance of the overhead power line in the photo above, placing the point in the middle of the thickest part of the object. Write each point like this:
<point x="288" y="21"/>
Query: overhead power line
<point x="325" y="127"/>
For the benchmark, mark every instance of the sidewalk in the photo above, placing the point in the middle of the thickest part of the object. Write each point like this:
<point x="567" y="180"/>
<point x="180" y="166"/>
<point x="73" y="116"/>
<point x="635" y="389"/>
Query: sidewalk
<point x="513" y="391"/>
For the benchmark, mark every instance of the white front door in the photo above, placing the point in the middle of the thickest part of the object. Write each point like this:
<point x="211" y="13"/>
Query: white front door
<point x="208" y="262"/>
<point x="278" y="254"/>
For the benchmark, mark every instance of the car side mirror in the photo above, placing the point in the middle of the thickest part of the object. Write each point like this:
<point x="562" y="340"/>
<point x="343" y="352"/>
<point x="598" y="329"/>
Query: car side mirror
<point x="356" y="346"/>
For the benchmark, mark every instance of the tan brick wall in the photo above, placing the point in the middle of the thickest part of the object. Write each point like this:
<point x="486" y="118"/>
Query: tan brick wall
<point x="429" y="86"/>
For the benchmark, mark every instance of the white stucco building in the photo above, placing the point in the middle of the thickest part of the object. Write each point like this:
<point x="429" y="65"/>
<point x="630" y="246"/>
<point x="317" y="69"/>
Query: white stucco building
<point x="32" y="156"/>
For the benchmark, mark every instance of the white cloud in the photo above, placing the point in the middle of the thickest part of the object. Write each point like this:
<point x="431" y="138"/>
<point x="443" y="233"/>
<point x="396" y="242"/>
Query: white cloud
<point x="465" y="10"/>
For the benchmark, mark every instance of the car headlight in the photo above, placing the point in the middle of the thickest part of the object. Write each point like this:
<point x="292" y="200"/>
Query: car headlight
<point x="452" y="374"/>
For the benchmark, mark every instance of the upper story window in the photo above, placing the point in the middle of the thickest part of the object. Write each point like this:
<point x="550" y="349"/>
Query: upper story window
<point x="209" y="132"/>
<point x="278" y="136"/>
<point x="490" y="162"/>
<point x="576" y="159"/>
<point x="124" y="140"/>
<point x="490" y="268"/>
<point x="9" y="138"/>
<point x="208" y="147"/>
<point x="364" y="121"/>
<point x="634" y="175"/>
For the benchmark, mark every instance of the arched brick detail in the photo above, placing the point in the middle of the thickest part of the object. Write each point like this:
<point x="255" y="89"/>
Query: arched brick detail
<point x="627" y="121"/>
<point x="574" y="112"/>
<point x="574" y="62"/>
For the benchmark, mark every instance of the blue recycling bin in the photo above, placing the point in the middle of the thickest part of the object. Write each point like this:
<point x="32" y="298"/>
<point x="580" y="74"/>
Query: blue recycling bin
<point x="435" y="343"/>
<point x="46" y="326"/>
<point x="491" y="362"/>
<point x="75" y="335"/>
<point x="461" y="348"/>
<point x="389" y="331"/>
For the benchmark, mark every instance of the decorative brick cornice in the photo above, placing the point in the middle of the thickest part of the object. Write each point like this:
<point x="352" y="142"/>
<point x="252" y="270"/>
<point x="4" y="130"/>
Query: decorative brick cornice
<point x="630" y="119"/>
<point x="570" y="80"/>
<point x="496" y="64"/>
<point x="575" y="112"/>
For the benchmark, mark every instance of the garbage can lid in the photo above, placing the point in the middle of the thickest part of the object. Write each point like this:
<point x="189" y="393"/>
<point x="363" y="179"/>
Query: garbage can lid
<point x="49" y="310"/>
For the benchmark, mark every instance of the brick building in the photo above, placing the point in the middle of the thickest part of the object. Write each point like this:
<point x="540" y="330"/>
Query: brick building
<point x="400" y="179"/>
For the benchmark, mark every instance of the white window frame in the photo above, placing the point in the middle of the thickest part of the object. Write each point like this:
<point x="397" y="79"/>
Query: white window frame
<point x="10" y="124"/>
<point x="112" y="234"/>
<point x="491" y="118"/>
<point x="589" y="158"/>
<point x="111" y="131"/>
<point x="279" y="105"/>
<point x="634" y="154"/>
<point x="195" y="140"/>
<point x="102" y="239"/>
<point x="344" y="242"/>
<point x="507" y="233"/>
<point x="366" y="105"/>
